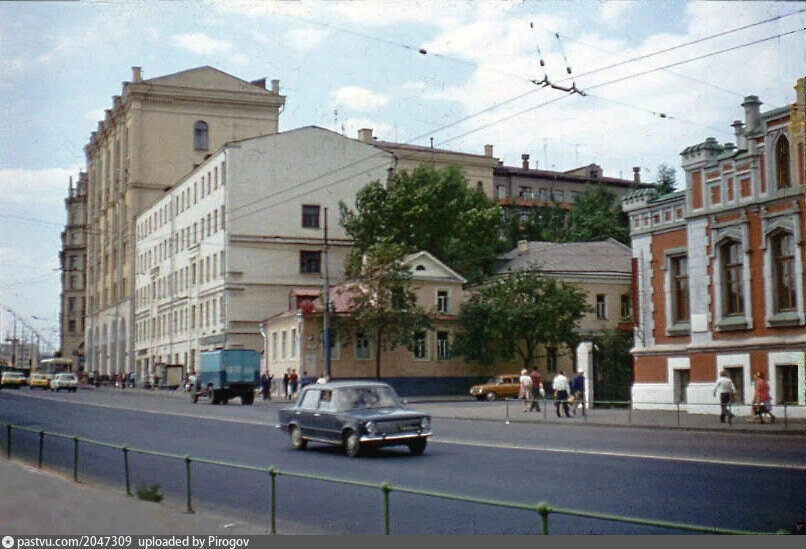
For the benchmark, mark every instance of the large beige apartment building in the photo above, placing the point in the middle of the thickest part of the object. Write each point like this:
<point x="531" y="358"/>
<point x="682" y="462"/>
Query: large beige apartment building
<point x="157" y="131"/>
<point x="73" y="259"/>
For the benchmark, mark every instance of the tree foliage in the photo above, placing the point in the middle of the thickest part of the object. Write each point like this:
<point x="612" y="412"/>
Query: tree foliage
<point x="383" y="305"/>
<point x="431" y="210"/>
<point x="666" y="180"/>
<point x="513" y="315"/>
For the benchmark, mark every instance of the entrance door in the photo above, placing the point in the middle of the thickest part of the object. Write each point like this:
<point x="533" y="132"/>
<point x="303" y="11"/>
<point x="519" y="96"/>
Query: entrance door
<point x="681" y="381"/>
<point x="736" y="375"/>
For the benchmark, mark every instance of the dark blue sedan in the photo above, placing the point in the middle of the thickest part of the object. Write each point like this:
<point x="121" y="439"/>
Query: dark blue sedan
<point x="354" y="414"/>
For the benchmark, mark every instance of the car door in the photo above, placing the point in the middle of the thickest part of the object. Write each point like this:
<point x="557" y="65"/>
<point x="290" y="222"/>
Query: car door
<point x="306" y="415"/>
<point x="329" y="421"/>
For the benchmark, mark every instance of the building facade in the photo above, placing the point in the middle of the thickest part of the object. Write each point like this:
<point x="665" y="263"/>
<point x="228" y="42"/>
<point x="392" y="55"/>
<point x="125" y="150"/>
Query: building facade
<point x="73" y="260"/>
<point x="720" y="277"/>
<point x="227" y="242"/>
<point x="156" y="132"/>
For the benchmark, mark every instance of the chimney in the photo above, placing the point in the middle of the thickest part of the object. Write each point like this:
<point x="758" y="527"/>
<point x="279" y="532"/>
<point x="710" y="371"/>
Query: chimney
<point x="275" y="87"/>
<point x="523" y="247"/>
<point x="730" y="147"/>
<point x="636" y="174"/>
<point x="525" y="158"/>
<point x="738" y="131"/>
<point x="365" y="135"/>
<point x="488" y="150"/>
<point x="137" y="74"/>
<point x="260" y="83"/>
<point x="752" y="113"/>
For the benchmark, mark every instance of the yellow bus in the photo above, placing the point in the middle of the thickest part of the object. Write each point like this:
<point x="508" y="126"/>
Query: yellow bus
<point x="52" y="366"/>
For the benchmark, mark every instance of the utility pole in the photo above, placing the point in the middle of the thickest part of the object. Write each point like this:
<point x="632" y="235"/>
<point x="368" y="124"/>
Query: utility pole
<point x="326" y="322"/>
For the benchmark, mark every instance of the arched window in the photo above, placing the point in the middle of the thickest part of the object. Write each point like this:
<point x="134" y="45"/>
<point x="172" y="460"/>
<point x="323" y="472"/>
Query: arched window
<point x="782" y="163"/>
<point x="783" y="271"/>
<point x="733" y="291"/>
<point x="200" y="136"/>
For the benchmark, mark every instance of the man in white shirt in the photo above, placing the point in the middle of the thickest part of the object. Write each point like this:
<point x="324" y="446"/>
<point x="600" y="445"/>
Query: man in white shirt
<point x="725" y="388"/>
<point x="561" y="390"/>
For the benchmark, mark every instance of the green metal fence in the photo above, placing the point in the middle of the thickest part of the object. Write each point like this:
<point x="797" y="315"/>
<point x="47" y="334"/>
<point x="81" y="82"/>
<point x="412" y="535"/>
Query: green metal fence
<point x="543" y="510"/>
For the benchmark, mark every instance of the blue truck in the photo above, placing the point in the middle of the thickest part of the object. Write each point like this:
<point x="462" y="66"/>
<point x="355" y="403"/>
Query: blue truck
<point x="226" y="374"/>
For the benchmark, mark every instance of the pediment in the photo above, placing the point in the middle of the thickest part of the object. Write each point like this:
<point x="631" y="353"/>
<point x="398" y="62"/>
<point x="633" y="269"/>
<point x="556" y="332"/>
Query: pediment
<point x="205" y="78"/>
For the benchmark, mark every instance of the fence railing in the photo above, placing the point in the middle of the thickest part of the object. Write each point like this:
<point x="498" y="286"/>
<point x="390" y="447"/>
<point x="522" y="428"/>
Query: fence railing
<point x="543" y="509"/>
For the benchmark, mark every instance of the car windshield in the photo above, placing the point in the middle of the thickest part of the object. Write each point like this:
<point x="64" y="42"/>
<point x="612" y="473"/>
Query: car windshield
<point x="357" y="398"/>
<point x="492" y="381"/>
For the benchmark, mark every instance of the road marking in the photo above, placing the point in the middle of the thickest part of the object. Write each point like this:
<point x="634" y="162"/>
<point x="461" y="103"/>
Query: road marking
<point x="707" y="461"/>
<point x="437" y="440"/>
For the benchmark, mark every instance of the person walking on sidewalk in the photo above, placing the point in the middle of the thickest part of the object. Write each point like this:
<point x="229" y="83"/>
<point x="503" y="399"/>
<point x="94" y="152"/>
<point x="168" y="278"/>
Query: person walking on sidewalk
<point x="561" y="390"/>
<point x="525" y="390"/>
<point x="762" y="399"/>
<point x="285" y="385"/>
<point x="537" y="389"/>
<point x="725" y="389"/>
<point x="578" y="390"/>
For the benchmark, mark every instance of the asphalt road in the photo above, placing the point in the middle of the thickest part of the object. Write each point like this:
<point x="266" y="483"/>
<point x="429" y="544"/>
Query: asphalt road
<point x="732" y="480"/>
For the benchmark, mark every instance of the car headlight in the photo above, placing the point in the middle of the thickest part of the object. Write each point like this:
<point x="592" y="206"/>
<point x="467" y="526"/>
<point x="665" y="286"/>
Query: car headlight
<point x="475" y="390"/>
<point x="370" y="427"/>
<point x="425" y="423"/>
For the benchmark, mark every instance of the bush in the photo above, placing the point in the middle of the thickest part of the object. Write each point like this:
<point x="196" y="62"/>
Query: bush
<point x="149" y="493"/>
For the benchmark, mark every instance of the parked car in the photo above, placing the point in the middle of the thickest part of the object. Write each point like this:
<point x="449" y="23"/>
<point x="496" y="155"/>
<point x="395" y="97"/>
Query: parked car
<point x="355" y="415"/>
<point x="39" y="381"/>
<point x="12" y="380"/>
<point x="66" y="381"/>
<point x="497" y="387"/>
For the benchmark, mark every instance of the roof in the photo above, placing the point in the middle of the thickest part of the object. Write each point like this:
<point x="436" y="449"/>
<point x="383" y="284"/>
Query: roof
<point x="420" y="148"/>
<point x="605" y="256"/>
<point x="567" y="176"/>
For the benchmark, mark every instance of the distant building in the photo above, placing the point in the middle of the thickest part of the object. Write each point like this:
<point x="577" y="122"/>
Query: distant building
<point x="73" y="259"/>
<point x="719" y="265"/>
<point x="157" y="131"/>
<point x="603" y="270"/>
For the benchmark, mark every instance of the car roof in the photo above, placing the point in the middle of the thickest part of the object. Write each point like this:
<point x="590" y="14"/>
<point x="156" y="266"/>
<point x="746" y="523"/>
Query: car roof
<point x="348" y="384"/>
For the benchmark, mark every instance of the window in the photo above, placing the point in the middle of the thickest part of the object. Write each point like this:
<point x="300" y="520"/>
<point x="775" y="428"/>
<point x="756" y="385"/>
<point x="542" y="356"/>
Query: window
<point x="419" y="348"/>
<point x="783" y="274"/>
<point x="558" y="196"/>
<point x="200" y="136"/>
<point x="293" y="348"/>
<point x="71" y="304"/>
<point x="501" y="191"/>
<point x="787" y="384"/>
<point x="601" y="306"/>
<point x="679" y="280"/>
<point x="543" y="195"/>
<point x="782" y="163"/>
<point x="525" y="191"/>
<point x="442" y="302"/>
<point x="310" y="217"/>
<point x="362" y="351"/>
<point x="71" y="326"/>
<point x="626" y="307"/>
<point x="310" y="262"/>
<point x="732" y="289"/>
<point x="443" y="350"/>
<point x="284" y="344"/>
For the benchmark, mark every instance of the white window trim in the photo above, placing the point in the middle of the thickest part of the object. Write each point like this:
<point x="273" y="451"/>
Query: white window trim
<point x="436" y="300"/>
<point x="355" y="349"/>
<point x="447" y="350"/>
<point x="427" y="355"/>
<point x="673" y="328"/>
<point x="797" y="358"/>
<point x="719" y="237"/>
<point x="737" y="361"/>
<point x="789" y="222"/>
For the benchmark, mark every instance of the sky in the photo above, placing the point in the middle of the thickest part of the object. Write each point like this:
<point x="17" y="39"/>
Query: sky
<point x="349" y="65"/>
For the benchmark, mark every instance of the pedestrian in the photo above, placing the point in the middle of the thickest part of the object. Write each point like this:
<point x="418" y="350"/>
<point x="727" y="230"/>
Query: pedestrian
<point x="265" y="384"/>
<point x="193" y="380"/>
<point x="306" y="379"/>
<point x="561" y="390"/>
<point x="762" y="403"/>
<point x="285" y="385"/>
<point x="322" y="380"/>
<point x="578" y="390"/>
<point x="726" y="389"/>
<point x="525" y="390"/>
<point x="292" y="382"/>
<point x="537" y="389"/>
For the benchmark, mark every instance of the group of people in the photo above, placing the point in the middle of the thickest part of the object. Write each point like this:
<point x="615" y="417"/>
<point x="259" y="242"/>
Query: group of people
<point x="569" y="396"/>
<point x="762" y="402"/>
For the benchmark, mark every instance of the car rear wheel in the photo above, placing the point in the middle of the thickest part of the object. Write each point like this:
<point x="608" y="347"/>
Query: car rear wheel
<point x="491" y="396"/>
<point x="297" y="441"/>
<point x="417" y="447"/>
<point x="352" y="444"/>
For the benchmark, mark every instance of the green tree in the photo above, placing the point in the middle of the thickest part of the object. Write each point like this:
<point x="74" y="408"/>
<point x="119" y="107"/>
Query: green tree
<point x="383" y="305"/>
<point x="428" y="209"/>
<point x="547" y="223"/>
<point x="666" y="179"/>
<point x="614" y="364"/>
<point x="513" y="315"/>
<point x="597" y="215"/>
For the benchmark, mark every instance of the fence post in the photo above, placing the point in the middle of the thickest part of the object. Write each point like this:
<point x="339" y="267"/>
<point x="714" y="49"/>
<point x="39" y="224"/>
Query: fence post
<point x="41" y="448"/>
<point x="8" y="441"/>
<point x="273" y="474"/>
<point x="543" y="510"/>
<point x="125" y="450"/>
<point x="506" y="416"/>
<point x="75" y="459"/>
<point x="786" y="420"/>
<point x="629" y="413"/>
<point x="678" y="413"/>
<point x="545" y="411"/>
<point x="385" y="488"/>
<point x="187" y="483"/>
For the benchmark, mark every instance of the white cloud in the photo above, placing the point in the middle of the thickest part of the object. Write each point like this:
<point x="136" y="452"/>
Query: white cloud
<point x="36" y="187"/>
<point x="379" y="129"/>
<point x="612" y="11"/>
<point x="359" y="99"/>
<point x="95" y="115"/>
<point x="305" y="39"/>
<point x="239" y="59"/>
<point x="197" y="42"/>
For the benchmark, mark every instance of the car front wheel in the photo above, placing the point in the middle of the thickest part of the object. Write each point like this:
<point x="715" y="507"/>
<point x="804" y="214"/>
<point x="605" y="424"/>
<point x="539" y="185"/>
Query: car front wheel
<point x="491" y="396"/>
<point x="352" y="444"/>
<point x="297" y="441"/>
<point x="417" y="447"/>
